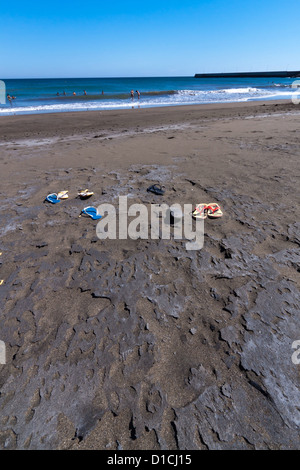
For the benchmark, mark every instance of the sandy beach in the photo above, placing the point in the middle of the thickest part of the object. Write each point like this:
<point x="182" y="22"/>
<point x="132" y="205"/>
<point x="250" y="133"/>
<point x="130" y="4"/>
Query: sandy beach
<point x="142" y="344"/>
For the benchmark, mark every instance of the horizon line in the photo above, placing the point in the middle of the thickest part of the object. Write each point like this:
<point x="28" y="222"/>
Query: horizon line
<point x="147" y="76"/>
<point x="67" y="78"/>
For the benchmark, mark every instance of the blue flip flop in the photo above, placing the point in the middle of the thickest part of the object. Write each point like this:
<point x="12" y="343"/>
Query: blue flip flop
<point x="92" y="212"/>
<point x="52" y="198"/>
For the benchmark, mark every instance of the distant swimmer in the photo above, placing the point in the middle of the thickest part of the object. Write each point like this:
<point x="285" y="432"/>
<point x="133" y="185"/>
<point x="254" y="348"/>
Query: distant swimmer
<point x="64" y="93"/>
<point x="9" y="99"/>
<point x="74" y="93"/>
<point x="132" y="94"/>
<point x="57" y="94"/>
<point x="138" y="93"/>
<point x="102" y="92"/>
<point x="84" y="92"/>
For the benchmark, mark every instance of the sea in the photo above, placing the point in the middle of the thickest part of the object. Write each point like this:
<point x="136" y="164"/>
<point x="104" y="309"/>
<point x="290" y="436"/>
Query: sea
<point x="33" y="96"/>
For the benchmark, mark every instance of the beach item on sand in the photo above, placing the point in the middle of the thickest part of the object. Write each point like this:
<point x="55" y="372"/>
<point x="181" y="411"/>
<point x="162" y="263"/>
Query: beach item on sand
<point x="62" y="195"/>
<point x="156" y="189"/>
<point x="91" y="212"/>
<point x="85" y="193"/>
<point x="214" y="210"/>
<point x="53" y="198"/>
<point x="1" y="282"/>
<point x="57" y="197"/>
<point x="200" y="211"/>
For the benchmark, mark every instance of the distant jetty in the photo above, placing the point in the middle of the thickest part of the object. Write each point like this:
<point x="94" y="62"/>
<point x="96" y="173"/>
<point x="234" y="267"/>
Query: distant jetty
<point x="248" y="75"/>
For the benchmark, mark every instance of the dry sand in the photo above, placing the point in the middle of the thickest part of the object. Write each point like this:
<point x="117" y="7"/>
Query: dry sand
<point x="142" y="344"/>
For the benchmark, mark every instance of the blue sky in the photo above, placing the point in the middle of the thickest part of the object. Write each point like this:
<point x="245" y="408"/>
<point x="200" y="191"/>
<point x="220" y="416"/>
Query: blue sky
<point x="146" y="38"/>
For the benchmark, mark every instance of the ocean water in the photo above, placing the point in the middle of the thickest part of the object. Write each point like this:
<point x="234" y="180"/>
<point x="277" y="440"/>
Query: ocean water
<point x="33" y="96"/>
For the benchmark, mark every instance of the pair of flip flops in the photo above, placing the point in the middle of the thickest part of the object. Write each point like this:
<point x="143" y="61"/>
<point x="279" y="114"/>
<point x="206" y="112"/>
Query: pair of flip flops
<point x="156" y="189"/>
<point x="85" y="193"/>
<point x="212" y="210"/>
<point x="54" y="198"/>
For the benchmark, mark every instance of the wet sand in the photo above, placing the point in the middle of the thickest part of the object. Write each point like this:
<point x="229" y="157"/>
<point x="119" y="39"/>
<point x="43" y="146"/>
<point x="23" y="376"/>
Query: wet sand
<point x="142" y="344"/>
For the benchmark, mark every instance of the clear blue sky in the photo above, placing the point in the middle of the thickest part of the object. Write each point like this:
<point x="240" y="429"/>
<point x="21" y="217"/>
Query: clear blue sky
<point x="147" y="38"/>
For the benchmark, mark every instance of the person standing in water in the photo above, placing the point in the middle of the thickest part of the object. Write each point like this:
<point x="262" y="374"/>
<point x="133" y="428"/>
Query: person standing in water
<point x="9" y="99"/>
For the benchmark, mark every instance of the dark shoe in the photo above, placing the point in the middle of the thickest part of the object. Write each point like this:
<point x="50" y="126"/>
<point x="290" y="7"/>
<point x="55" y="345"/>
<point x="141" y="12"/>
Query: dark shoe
<point x="156" y="189"/>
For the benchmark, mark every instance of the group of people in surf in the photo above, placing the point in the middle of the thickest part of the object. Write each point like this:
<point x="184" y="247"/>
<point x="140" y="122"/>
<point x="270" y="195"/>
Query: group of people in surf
<point x="85" y="93"/>
<point x="74" y="93"/>
<point x="132" y="94"/>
